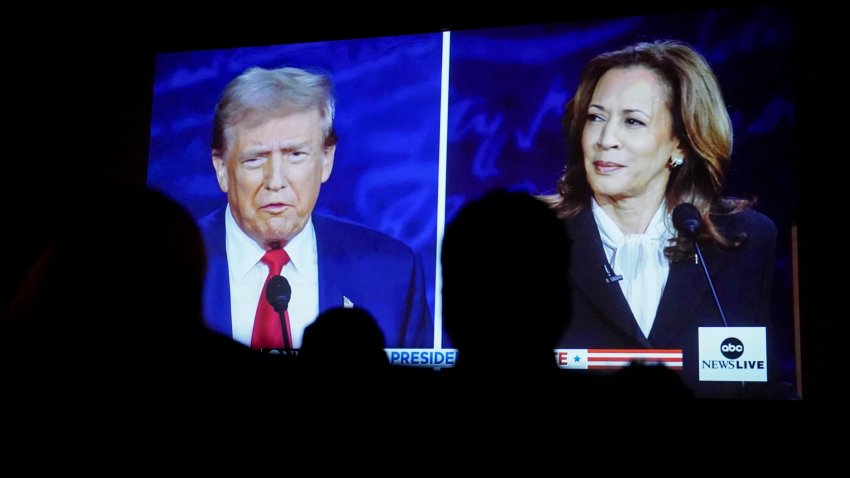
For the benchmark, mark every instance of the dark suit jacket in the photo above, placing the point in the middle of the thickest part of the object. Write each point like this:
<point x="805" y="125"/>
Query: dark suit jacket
<point x="742" y="277"/>
<point x="375" y="271"/>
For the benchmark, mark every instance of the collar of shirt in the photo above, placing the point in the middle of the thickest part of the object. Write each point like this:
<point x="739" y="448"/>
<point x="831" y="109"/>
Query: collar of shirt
<point x="244" y="253"/>
<point x="248" y="274"/>
<point x="640" y="259"/>
<point x="659" y="228"/>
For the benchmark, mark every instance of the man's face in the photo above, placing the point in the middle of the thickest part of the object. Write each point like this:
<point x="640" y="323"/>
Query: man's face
<point x="272" y="173"/>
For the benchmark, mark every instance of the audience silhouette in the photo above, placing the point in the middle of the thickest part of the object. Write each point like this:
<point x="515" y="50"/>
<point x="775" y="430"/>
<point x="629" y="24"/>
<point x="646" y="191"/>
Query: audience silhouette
<point x="505" y="284"/>
<point x="344" y="344"/>
<point x="505" y="298"/>
<point x="114" y="302"/>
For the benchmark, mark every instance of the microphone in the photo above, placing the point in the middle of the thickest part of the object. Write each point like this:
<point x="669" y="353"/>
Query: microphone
<point x="610" y="277"/>
<point x="687" y="220"/>
<point x="278" y="293"/>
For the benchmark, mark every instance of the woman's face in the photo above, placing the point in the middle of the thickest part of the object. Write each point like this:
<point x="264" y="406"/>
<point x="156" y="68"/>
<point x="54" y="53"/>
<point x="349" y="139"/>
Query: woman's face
<point x="628" y="136"/>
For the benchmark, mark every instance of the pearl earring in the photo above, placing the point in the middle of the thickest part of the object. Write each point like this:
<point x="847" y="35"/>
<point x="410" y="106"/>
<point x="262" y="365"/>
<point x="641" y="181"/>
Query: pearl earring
<point x="675" y="162"/>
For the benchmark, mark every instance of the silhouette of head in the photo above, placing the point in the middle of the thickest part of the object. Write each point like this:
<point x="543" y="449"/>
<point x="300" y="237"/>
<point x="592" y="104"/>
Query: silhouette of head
<point x="349" y="333"/>
<point x="124" y="275"/>
<point x="505" y="282"/>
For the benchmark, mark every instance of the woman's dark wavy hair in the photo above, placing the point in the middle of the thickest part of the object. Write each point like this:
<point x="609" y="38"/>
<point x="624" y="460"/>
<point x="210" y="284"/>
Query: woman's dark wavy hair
<point x="700" y="123"/>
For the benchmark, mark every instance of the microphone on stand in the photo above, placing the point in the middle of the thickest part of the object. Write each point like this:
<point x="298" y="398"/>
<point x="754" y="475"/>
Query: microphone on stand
<point x="278" y="294"/>
<point x="688" y="221"/>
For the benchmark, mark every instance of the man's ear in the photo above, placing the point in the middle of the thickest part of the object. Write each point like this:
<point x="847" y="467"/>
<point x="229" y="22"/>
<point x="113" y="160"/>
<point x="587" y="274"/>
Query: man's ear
<point x="328" y="162"/>
<point x="218" y="161"/>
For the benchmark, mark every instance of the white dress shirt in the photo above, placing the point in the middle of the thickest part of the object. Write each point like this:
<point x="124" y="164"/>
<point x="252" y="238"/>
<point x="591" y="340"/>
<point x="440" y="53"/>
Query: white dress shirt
<point x="248" y="275"/>
<point x="640" y="259"/>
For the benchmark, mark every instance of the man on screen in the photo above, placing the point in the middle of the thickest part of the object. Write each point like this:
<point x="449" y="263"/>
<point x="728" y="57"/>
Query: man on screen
<point x="273" y="147"/>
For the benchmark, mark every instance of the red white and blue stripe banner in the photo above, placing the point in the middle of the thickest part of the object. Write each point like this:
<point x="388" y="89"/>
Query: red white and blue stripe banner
<point x="596" y="359"/>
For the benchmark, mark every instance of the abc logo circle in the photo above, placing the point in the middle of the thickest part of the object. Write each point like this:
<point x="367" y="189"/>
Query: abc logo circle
<point x="732" y="348"/>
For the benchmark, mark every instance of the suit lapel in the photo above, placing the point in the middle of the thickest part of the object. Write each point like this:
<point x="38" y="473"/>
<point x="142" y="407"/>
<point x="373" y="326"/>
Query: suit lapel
<point x="684" y="292"/>
<point x="332" y="262"/>
<point x="587" y="271"/>
<point x="217" y="285"/>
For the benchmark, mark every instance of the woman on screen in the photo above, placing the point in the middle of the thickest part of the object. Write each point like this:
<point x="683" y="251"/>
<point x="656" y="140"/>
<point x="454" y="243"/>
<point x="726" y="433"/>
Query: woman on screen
<point x="647" y="130"/>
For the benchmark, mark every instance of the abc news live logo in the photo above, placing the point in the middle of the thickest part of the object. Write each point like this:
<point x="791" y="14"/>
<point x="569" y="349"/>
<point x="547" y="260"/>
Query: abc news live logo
<point x="732" y="354"/>
<point x="732" y="348"/>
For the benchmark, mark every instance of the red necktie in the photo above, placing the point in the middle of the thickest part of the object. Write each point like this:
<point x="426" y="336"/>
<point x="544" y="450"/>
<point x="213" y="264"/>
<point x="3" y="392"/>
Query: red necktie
<point x="267" y="332"/>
